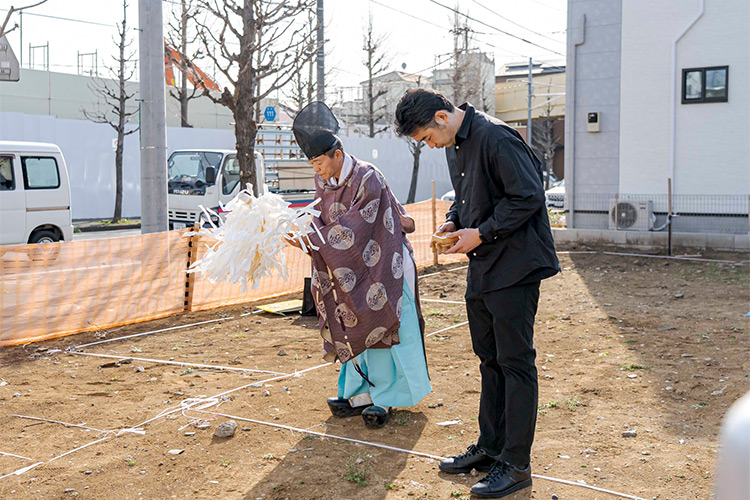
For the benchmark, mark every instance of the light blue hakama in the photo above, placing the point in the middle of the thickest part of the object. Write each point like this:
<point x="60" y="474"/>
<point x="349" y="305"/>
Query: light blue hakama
<point x="399" y="373"/>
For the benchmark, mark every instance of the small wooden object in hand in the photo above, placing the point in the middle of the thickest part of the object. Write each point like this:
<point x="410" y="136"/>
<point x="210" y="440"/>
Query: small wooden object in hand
<point x="443" y="243"/>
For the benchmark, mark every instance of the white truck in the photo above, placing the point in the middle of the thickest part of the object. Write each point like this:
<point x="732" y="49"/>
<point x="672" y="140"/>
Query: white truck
<point x="34" y="194"/>
<point x="210" y="177"/>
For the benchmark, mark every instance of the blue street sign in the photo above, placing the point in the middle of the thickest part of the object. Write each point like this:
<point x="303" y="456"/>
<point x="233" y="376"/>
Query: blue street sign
<point x="270" y="113"/>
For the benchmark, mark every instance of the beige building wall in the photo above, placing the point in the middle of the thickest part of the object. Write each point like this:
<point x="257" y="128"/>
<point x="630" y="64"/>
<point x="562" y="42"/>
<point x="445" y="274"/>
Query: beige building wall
<point x="64" y="95"/>
<point x="511" y="97"/>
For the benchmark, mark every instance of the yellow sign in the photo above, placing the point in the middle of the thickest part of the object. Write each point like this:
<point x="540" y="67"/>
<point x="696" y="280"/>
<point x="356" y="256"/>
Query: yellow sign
<point x="282" y="307"/>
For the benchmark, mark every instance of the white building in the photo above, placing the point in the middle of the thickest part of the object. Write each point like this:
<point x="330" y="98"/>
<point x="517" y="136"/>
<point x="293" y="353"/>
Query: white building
<point x="658" y="91"/>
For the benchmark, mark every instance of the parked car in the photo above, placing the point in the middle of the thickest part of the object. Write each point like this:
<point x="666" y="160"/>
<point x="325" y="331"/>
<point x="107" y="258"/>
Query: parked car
<point x="34" y="194"/>
<point x="556" y="196"/>
<point x="449" y="196"/>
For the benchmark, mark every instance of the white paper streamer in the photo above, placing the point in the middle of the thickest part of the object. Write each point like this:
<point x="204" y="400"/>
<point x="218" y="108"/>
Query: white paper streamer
<point x="250" y="242"/>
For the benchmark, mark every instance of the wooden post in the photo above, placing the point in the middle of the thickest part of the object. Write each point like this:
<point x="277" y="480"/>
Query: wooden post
<point x="192" y="255"/>
<point x="434" y="224"/>
<point x="669" y="216"/>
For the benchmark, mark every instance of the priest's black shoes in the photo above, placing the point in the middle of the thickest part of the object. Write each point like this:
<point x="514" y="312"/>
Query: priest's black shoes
<point x="503" y="479"/>
<point x="472" y="458"/>
<point x="342" y="408"/>
<point x="376" y="416"/>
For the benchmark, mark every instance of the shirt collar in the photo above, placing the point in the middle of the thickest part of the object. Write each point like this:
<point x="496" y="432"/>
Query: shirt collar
<point x="346" y="169"/>
<point x="463" y="130"/>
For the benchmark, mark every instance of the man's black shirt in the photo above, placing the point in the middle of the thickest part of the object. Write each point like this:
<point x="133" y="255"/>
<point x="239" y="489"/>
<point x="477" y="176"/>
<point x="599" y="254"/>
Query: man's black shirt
<point x="498" y="184"/>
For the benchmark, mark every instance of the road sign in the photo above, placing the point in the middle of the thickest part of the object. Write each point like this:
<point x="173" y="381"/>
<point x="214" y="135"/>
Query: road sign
<point x="270" y="114"/>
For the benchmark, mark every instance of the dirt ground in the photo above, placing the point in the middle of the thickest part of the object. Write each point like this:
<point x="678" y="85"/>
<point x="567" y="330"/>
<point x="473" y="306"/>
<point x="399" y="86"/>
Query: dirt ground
<point x="655" y="346"/>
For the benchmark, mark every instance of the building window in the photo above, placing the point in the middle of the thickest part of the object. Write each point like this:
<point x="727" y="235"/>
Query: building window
<point x="705" y="84"/>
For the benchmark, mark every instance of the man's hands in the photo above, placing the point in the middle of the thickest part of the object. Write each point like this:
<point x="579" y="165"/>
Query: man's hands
<point x="468" y="239"/>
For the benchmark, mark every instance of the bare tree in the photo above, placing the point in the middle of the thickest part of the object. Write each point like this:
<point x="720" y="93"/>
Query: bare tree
<point x="179" y="38"/>
<point x="376" y="63"/>
<point x="116" y="98"/>
<point x="3" y="29"/>
<point x="545" y="140"/>
<point x="250" y="41"/>
<point x="416" y="151"/>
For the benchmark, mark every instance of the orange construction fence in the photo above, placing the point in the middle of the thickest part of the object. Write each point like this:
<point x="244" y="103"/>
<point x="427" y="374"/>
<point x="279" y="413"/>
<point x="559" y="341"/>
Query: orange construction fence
<point x="58" y="289"/>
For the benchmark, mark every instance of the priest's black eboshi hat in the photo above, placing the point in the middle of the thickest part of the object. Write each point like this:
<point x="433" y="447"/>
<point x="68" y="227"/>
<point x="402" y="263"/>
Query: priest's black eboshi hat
<point x="315" y="129"/>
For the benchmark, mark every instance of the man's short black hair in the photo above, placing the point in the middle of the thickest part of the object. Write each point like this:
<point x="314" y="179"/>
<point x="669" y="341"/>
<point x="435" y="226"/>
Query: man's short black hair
<point x="417" y="109"/>
<point x="336" y="147"/>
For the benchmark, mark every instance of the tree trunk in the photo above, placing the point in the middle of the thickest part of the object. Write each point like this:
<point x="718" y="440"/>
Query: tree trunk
<point x="245" y="130"/>
<point x="118" y="179"/>
<point x="416" y="151"/>
<point x="184" y="69"/>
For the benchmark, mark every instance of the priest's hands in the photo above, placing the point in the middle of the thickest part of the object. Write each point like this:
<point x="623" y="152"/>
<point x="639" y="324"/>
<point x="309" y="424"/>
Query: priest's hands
<point x="292" y="240"/>
<point x="468" y="240"/>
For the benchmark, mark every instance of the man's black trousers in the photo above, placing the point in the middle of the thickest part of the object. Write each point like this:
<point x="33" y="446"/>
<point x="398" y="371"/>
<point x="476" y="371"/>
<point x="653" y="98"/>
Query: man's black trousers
<point x="502" y="334"/>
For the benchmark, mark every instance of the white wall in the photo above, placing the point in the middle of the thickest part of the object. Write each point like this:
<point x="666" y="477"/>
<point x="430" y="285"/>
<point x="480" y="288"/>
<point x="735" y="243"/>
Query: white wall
<point x="88" y="152"/>
<point x="712" y="147"/>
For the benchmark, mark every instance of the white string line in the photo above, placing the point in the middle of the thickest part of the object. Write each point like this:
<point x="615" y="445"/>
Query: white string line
<point x="669" y="257"/>
<point x="22" y="470"/>
<point x="12" y="455"/>
<point x="66" y="424"/>
<point x="566" y="252"/>
<point x="596" y="488"/>
<point x="196" y="401"/>
<point x="402" y="450"/>
<point x="305" y="431"/>
<point x="178" y="363"/>
<point x="443" y="301"/>
<point x="443" y="271"/>
<point x="154" y="331"/>
<point x="447" y="328"/>
<point x="28" y="468"/>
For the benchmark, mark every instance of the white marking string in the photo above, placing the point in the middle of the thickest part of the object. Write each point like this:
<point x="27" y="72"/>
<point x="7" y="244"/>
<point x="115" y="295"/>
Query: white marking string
<point x="22" y="470"/>
<point x="443" y="301"/>
<point x="443" y="271"/>
<point x="12" y="455"/>
<point x="669" y="257"/>
<point x="154" y="331"/>
<point x="66" y="424"/>
<point x="178" y="363"/>
<point x="447" y="328"/>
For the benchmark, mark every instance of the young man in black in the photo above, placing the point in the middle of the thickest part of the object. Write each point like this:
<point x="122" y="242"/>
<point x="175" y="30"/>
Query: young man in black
<point x="500" y="217"/>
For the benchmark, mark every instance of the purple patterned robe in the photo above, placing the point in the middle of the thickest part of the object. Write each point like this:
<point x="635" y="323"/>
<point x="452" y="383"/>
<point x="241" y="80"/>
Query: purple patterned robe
<point x="358" y="271"/>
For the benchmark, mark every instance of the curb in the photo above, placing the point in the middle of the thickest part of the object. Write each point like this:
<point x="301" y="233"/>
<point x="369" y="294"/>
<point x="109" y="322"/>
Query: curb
<point x="101" y="227"/>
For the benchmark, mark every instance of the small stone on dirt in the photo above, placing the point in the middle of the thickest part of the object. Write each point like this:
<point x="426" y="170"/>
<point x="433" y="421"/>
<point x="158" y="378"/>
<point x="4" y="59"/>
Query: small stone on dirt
<point x="678" y="296"/>
<point x="175" y="452"/>
<point x="630" y="433"/>
<point x="226" y="429"/>
<point x="282" y="352"/>
<point x="266" y="393"/>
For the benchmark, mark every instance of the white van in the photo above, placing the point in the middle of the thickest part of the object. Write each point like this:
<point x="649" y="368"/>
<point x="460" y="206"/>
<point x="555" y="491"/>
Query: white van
<point x="34" y="194"/>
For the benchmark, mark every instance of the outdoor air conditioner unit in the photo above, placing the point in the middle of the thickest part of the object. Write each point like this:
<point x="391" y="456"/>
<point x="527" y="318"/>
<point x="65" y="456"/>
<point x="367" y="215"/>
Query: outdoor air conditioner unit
<point x="631" y="215"/>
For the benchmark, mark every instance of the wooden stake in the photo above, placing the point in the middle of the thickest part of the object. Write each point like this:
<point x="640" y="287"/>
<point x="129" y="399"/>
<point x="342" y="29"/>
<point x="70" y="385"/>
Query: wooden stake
<point x="192" y="255"/>
<point x="434" y="224"/>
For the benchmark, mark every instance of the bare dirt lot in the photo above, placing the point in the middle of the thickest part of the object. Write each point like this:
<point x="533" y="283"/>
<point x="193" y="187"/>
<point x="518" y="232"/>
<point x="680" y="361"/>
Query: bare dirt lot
<point x="654" y="346"/>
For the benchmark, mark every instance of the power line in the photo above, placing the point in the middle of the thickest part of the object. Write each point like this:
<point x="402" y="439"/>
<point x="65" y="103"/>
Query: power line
<point x="496" y="29"/>
<point x="515" y="23"/>
<point x="409" y="15"/>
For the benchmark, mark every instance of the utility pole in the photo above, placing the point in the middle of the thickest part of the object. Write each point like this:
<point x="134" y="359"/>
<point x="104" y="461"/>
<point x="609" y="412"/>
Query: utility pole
<point x="153" y="132"/>
<point x="321" y="55"/>
<point x="528" y="116"/>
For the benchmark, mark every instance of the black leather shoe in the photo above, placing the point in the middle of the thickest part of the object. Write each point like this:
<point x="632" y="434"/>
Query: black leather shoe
<point x="472" y="458"/>
<point x="342" y="408"/>
<point x="503" y="479"/>
<point x="376" y="417"/>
